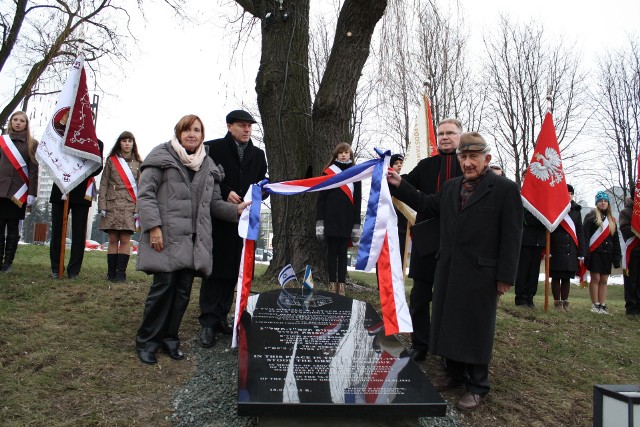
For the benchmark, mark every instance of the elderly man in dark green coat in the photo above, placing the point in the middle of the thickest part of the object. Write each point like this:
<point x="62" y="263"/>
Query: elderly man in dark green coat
<point x="480" y="233"/>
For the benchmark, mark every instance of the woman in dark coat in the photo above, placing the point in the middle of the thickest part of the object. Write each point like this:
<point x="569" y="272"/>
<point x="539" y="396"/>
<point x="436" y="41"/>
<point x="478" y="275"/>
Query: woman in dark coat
<point x="338" y="217"/>
<point x="604" y="250"/>
<point x="18" y="149"/>
<point x="179" y="193"/>
<point x="565" y="256"/>
<point x="117" y="203"/>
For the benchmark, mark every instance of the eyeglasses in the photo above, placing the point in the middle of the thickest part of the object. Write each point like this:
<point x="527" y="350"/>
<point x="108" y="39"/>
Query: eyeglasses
<point x="447" y="133"/>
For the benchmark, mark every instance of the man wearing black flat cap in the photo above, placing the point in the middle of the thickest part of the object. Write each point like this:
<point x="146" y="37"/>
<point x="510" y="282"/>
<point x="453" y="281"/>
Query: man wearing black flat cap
<point x="243" y="164"/>
<point x="480" y="229"/>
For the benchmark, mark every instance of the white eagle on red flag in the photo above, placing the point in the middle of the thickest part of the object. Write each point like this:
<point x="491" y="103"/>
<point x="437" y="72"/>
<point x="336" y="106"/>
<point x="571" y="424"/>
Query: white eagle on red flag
<point x="549" y="166"/>
<point x="544" y="191"/>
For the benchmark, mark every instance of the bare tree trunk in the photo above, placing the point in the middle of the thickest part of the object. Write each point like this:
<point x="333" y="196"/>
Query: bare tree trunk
<point x="284" y="101"/>
<point x="299" y="138"/>
<point x="11" y="35"/>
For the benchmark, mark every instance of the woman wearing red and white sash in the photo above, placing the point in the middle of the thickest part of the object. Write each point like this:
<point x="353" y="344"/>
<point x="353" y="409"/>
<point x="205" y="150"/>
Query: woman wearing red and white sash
<point x="338" y="217"/>
<point x="604" y="249"/>
<point x="567" y="248"/>
<point x="117" y="203"/>
<point x="18" y="184"/>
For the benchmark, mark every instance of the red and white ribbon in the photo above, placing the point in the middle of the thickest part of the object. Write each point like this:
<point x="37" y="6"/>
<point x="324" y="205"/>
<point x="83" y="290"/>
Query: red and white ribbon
<point x="11" y="151"/>
<point x="570" y="227"/>
<point x="126" y="175"/>
<point x="599" y="236"/>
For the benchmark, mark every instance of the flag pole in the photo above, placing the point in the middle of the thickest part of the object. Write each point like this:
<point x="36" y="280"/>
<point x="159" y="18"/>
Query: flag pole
<point x="405" y="255"/>
<point x="548" y="234"/>
<point x="411" y="220"/>
<point x="63" y="236"/>
<point x="547" y="251"/>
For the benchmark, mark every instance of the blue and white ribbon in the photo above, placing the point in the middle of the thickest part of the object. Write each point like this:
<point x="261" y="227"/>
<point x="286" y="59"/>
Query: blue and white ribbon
<point x="379" y="243"/>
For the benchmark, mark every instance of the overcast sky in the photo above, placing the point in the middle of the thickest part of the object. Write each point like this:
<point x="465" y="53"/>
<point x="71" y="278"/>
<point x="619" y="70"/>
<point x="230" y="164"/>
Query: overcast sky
<point x="184" y="67"/>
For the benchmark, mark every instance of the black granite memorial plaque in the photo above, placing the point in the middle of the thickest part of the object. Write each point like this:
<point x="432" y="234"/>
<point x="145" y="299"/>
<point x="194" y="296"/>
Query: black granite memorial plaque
<point x="322" y="354"/>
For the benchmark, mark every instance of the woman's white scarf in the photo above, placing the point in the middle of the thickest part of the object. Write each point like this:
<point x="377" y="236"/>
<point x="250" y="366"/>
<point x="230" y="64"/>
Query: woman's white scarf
<point x="191" y="161"/>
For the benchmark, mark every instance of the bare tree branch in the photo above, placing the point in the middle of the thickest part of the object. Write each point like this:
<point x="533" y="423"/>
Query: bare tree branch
<point x="53" y="32"/>
<point x="618" y="113"/>
<point x="519" y="68"/>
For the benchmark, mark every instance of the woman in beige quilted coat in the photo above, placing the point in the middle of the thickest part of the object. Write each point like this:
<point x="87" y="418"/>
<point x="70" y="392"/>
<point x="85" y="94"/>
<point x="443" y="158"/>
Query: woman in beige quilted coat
<point x="179" y="194"/>
<point x="117" y="203"/>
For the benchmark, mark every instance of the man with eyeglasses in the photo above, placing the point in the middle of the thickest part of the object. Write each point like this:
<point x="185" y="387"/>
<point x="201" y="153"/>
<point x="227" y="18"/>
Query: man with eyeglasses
<point x="429" y="176"/>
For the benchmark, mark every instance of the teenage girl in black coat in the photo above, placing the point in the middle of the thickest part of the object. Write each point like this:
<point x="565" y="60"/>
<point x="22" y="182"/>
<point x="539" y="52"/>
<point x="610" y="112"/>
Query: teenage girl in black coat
<point x="338" y="217"/>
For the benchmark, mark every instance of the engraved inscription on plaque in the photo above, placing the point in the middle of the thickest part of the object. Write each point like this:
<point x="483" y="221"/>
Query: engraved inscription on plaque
<point x="304" y="351"/>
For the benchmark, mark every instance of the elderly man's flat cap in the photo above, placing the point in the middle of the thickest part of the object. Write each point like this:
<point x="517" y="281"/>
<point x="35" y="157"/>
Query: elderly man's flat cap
<point x="472" y="142"/>
<point x="239" y="116"/>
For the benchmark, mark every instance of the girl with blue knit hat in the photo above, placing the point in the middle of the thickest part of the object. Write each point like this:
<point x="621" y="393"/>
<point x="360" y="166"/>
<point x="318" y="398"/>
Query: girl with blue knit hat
<point x="601" y="229"/>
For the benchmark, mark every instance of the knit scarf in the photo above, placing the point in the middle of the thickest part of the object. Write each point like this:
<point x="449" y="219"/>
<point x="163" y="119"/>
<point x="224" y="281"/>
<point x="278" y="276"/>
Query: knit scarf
<point x="18" y="136"/>
<point x="469" y="186"/>
<point x="191" y="161"/>
<point x="447" y="168"/>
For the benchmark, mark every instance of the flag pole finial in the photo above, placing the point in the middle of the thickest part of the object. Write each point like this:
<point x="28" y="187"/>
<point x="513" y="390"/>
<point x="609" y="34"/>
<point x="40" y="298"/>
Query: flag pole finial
<point x="549" y="97"/>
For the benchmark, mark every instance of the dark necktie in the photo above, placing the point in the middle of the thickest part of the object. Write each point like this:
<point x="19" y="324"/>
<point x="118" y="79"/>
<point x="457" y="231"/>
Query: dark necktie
<point x="241" y="148"/>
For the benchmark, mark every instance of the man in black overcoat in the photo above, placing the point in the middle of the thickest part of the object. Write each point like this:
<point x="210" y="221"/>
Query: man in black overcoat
<point x="79" y="209"/>
<point x="480" y="232"/>
<point x="534" y="240"/>
<point x="429" y="176"/>
<point x="243" y="164"/>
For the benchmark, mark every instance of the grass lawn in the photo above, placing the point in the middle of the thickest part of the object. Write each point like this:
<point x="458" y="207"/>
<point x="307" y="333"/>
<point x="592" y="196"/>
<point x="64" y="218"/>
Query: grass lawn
<point x="68" y="352"/>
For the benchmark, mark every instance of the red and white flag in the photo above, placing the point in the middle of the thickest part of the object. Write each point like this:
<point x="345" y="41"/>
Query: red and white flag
<point x="422" y="142"/>
<point x="635" y="216"/>
<point x="69" y="147"/>
<point x="544" y="191"/>
<point x="627" y="247"/>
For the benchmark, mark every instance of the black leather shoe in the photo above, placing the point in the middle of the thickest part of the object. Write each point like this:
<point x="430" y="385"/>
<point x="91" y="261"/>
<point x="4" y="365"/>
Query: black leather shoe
<point x="224" y="328"/>
<point x="174" y="353"/>
<point x="418" y="355"/>
<point x="207" y="339"/>
<point x="147" y="357"/>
